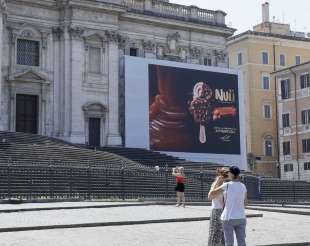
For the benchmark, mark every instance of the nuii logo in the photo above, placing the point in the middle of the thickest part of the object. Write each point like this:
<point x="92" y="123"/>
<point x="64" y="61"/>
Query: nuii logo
<point x="225" y="95"/>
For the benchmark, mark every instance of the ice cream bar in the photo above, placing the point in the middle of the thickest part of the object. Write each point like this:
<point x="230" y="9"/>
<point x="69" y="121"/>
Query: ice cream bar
<point x="200" y="107"/>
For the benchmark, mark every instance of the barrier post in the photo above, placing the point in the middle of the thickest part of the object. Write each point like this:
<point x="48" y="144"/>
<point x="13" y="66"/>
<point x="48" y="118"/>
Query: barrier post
<point x="9" y="179"/>
<point x="51" y="181"/>
<point x="166" y="181"/>
<point x="89" y="182"/>
<point x="70" y="183"/>
<point x="201" y="185"/>
<point x="123" y="182"/>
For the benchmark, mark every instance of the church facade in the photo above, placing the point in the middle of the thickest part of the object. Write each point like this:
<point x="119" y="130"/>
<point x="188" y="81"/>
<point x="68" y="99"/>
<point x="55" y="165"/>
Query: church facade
<point x="63" y="60"/>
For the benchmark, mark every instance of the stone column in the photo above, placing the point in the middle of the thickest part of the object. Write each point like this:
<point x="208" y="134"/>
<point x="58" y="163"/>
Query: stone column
<point x="66" y="105"/>
<point x="114" y="137"/>
<point x="77" y="61"/>
<point x="57" y="65"/>
<point x="2" y="14"/>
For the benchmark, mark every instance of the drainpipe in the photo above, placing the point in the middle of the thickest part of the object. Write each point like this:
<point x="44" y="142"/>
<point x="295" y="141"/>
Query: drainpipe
<point x="276" y="108"/>
<point x="296" y="121"/>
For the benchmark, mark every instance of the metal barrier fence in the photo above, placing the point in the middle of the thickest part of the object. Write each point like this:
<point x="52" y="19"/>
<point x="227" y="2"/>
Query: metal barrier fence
<point x="37" y="181"/>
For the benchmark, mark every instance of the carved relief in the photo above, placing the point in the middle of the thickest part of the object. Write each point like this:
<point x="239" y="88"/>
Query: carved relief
<point x="160" y="51"/>
<point x="13" y="35"/>
<point x="27" y="34"/>
<point x="220" y="55"/>
<point x="183" y="52"/>
<point x="172" y="40"/>
<point x="149" y="46"/>
<point x="76" y="32"/>
<point x="44" y="36"/>
<point x="123" y="41"/>
<point x="112" y="36"/>
<point x="57" y="32"/>
<point x="195" y="52"/>
<point x="3" y="5"/>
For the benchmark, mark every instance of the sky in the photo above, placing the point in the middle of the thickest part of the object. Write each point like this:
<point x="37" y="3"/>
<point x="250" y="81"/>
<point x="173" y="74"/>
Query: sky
<point x="244" y="14"/>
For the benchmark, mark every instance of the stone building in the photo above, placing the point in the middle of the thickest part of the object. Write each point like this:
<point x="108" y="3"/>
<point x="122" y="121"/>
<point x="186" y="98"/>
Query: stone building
<point x="269" y="47"/>
<point x="293" y="98"/>
<point x="62" y="60"/>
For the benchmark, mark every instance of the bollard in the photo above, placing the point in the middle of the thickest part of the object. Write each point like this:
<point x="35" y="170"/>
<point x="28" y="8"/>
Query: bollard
<point x="123" y="182"/>
<point x="166" y="180"/>
<point x="201" y="187"/>
<point x="9" y="179"/>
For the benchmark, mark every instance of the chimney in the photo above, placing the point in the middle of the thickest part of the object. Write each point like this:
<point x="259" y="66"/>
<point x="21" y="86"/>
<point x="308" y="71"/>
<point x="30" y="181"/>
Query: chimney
<point x="265" y="12"/>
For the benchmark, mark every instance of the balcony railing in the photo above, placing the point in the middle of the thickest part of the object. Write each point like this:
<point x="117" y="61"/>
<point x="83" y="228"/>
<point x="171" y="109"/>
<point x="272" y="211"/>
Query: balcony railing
<point x="176" y="11"/>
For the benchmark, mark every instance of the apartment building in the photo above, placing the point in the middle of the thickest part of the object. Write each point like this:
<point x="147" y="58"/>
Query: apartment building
<point x="293" y="99"/>
<point x="269" y="47"/>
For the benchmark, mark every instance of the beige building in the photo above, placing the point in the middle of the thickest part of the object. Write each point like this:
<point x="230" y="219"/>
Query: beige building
<point x="268" y="48"/>
<point x="293" y="94"/>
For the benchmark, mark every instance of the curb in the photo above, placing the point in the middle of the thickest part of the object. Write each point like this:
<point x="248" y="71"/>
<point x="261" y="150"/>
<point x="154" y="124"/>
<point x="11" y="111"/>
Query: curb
<point x="105" y="224"/>
<point x="280" y="211"/>
<point x="19" y="210"/>
<point x="289" y="244"/>
<point x="73" y="207"/>
<point x="278" y="206"/>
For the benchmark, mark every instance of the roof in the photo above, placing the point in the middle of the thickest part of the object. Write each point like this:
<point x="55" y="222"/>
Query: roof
<point x="291" y="67"/>
<point x="273" y="35"/>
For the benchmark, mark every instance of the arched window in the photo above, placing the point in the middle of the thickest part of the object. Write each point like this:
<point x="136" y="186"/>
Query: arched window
<point x="268" y="145"/>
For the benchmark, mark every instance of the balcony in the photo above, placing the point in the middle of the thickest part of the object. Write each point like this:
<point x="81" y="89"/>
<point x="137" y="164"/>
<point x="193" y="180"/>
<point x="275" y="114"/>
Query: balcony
<point x="176" y="11"/>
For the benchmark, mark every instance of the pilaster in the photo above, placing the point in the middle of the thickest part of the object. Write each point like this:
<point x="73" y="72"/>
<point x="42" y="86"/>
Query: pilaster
<point x="77" y="62"/>
<point x="114" y="137"/>
<point x="2" y="15"/>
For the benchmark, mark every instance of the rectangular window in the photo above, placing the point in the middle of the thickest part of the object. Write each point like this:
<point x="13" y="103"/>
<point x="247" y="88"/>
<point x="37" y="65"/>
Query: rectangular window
<point x="133" y="52"/>
<point x="305" y="81"/>
<point x="207" y="61"/>
<point x="288" y="168"/>
<point x="305" y="117"/>
<point x="306" y="145"/>
<point x="94" y="60"/>
<point x="297" y="60"/>
<point x="28" y="52"/>
<point x="307" y="166"/>
<point x="285" y="120"/>
<point x="267" y="111"/>
<point x="285" y="89"/>
<point x="266" y="82"/>
<point x="282" y="60"/>
<point x="240" y="59"/>
<point x="286" y="148"/>
<point x="265" y="58"/>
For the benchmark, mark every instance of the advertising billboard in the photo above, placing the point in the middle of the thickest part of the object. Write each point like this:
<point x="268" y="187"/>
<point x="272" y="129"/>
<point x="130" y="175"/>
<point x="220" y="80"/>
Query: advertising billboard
<point x="186" y="110"/>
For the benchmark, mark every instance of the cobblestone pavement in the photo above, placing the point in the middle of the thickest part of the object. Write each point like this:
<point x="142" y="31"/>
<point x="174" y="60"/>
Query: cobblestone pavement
<point x="271" y="229"/>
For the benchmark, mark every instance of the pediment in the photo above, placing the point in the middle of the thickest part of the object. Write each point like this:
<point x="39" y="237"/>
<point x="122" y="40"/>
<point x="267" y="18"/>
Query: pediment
<point x="94" y="36"/>
<point x="30" y="76"/>
<point x="94" y="107"/>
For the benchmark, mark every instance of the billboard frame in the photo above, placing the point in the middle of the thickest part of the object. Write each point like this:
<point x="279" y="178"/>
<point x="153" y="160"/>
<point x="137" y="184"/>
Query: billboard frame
<point x="137" y="81"/>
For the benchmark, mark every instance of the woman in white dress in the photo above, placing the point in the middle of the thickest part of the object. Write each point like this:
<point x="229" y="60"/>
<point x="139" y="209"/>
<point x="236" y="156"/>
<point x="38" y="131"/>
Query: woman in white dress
<point x="216" y="235"/>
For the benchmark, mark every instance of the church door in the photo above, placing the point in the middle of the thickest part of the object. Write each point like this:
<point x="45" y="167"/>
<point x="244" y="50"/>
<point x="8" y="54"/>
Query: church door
<point x="94" y="131"/>
<point x="27" y="113"/>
